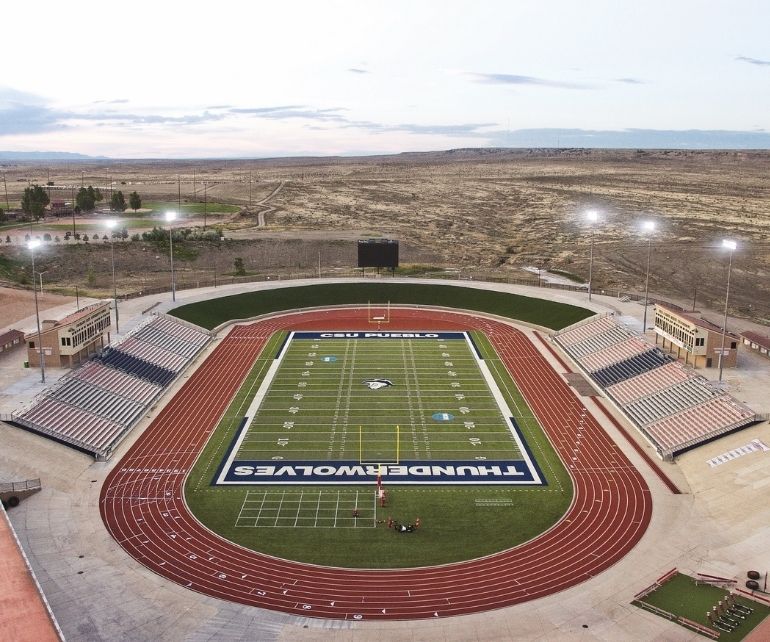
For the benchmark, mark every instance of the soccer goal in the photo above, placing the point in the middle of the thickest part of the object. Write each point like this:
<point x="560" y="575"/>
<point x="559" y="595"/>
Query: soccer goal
<point x="379" y="445"/>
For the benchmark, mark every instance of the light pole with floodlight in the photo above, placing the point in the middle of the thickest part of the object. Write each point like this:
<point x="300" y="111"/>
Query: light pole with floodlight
<point x="649" y="227"/>
<point x="111" y="227"/>
<point x="32" y="245"/>
<point x="170" y="216"/>
<point x="591" y="216"/>
<point x="732" y="246"/>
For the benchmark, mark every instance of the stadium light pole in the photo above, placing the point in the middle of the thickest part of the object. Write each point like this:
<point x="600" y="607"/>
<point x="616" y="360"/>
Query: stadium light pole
<point x="592" y="216"/>
<point x="731" y="246"/>
<point x="33" y="245"/>
<point x="111" y="224"/>
<point x="170" y="217"/>
<point x="649" y="228"/>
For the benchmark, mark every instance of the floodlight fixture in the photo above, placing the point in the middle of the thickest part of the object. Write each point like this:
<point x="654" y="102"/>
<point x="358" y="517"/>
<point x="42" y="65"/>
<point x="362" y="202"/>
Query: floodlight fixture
<point x="648" y="227"/>
<point x="731" y="245"/>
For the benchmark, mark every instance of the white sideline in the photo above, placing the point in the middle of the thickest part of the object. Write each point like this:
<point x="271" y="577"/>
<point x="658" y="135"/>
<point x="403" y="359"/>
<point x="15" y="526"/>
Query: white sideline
<point x="254" y="406"/>
<point x="503" y="405"/>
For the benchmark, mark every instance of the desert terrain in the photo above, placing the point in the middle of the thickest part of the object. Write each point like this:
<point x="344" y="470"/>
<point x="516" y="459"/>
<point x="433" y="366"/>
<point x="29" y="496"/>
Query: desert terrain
<point x="488" y="213"/>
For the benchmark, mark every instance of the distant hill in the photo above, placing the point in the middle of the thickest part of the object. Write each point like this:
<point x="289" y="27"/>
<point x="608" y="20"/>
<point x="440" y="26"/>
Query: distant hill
<point x="39" y="156"/>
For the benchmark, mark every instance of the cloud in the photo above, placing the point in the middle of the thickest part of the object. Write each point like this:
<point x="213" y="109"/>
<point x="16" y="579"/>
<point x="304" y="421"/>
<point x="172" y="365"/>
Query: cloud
<point x="117" y="101"/>
<point x="356" y="70"/>
<point x="330" y="114"/>
<point x="630" y="139"/>
<point x="630" y="81"/>
<point x="754" y="61"/>
<point x="514" y="79"/>
<point x="466" y="129"/>
<point x="29" y="119"/>
<point x="10" y="96"/>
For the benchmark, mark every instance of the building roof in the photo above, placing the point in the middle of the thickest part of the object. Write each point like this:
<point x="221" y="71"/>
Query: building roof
<point x="692" y="318"/>
<point x="83" y="312"/>
<point x="8" y="337"/>
<point x="48" y="325"/>
<point x="759" y="339"/>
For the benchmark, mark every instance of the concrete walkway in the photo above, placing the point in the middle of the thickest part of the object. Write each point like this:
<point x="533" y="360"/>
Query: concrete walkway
<point x="720" y="525"/>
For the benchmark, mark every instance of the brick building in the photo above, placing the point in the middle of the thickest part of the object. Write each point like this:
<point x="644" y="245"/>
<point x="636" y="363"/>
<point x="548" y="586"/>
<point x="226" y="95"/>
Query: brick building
<point x="71" y="340"/>
<point x="693" y="339"/>
<point x="756" y="342"/>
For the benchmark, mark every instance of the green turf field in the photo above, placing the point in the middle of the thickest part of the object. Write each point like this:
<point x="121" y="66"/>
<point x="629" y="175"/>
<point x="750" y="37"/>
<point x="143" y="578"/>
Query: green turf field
<point x="681" y="596"/>
<point x="316" y="416"/>
<point x="319" y="407"/>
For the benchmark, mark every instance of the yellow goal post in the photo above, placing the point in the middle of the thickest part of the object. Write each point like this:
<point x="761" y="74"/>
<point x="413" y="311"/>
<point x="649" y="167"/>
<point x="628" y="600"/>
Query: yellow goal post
<point x="378" y="453"/>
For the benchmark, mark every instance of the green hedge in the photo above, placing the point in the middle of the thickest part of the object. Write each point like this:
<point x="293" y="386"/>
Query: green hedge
<point x="549" y="314"/>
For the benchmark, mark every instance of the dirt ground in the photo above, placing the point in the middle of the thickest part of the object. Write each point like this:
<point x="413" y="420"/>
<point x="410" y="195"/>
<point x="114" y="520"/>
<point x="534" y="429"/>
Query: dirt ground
<point x="18" y="304"/>
<point x="490" y="211"/>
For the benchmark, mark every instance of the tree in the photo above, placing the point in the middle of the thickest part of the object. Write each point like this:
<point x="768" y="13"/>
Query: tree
<point x="124" y="234"/>
<point x="85" y="200"/>
<point x="3" y="215"/>
<point x="85" y="238"/>
<point x="135" y="201"/>
<point x="240" y="270"/>
<point x="7" y="238"/>
<point x="118" y="202"/>
<point x="34" y="200"/>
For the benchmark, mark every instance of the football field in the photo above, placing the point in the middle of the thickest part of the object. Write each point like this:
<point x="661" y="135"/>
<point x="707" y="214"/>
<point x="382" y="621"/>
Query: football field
<point x="414" y="407"/>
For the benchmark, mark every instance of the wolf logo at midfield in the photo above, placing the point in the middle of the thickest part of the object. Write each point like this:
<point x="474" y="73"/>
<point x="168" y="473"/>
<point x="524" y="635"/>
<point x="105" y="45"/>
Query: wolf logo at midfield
<point x="376" y="384"/>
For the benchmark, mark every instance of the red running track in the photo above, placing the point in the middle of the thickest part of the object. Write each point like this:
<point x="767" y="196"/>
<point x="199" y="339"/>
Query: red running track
<point x="143" y="507"/>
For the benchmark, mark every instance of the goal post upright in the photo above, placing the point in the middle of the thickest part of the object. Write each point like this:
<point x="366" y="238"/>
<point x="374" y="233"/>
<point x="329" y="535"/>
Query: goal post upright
<point x="380" y="461"/>
<point x="373" y="316"/>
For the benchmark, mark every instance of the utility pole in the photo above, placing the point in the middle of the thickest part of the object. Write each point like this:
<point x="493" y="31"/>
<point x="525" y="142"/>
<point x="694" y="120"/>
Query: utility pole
<point x="249" y="189"/>
<point x="72" y="204"/>
<point x="7" y="204"/>
<point x="205" y="187"/>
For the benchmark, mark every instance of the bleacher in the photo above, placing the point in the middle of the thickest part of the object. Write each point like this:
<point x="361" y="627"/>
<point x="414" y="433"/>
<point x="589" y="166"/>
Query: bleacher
<point x="647" y="383"/>
<point x="94" y="406"/>
<point x="632" y="367"/>
<point x="136" y="366"/>
<point x="674" y="408"/>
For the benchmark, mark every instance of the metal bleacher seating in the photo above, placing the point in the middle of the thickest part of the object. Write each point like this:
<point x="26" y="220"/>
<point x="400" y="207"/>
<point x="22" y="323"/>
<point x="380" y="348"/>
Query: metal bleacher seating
<point x="631" y="367"/>
<point x="674" y="408"/>
<point x="118" y="382"/>
<point x="648" y="383"/>
<point x="669" y="401"/>
<point x="116" y="358"/>
<point x="96" y="405"/>
<point x="701" y="423"/>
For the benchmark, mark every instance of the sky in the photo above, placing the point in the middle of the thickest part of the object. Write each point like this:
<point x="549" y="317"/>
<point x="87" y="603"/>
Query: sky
<point x="168" y="79"/>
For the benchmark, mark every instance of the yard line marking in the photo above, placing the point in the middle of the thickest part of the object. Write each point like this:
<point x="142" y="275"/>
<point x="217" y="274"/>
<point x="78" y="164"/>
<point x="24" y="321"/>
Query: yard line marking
<point x="299" y="507"/>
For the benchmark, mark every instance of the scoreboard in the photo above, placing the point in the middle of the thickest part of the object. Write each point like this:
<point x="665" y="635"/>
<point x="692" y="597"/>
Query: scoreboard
<point x="379" y="253"/>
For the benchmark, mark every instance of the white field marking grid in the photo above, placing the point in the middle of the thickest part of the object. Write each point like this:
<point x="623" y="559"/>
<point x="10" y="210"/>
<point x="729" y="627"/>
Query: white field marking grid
<point x="296" y="415"/>
<point x="325" y="508"/>
<point x="425" y="380"/>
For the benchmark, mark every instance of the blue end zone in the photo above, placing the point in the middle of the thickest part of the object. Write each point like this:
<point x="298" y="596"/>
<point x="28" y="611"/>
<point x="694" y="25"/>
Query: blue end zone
<point x="351" y="472"/>
<point x="379" y="335"/>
